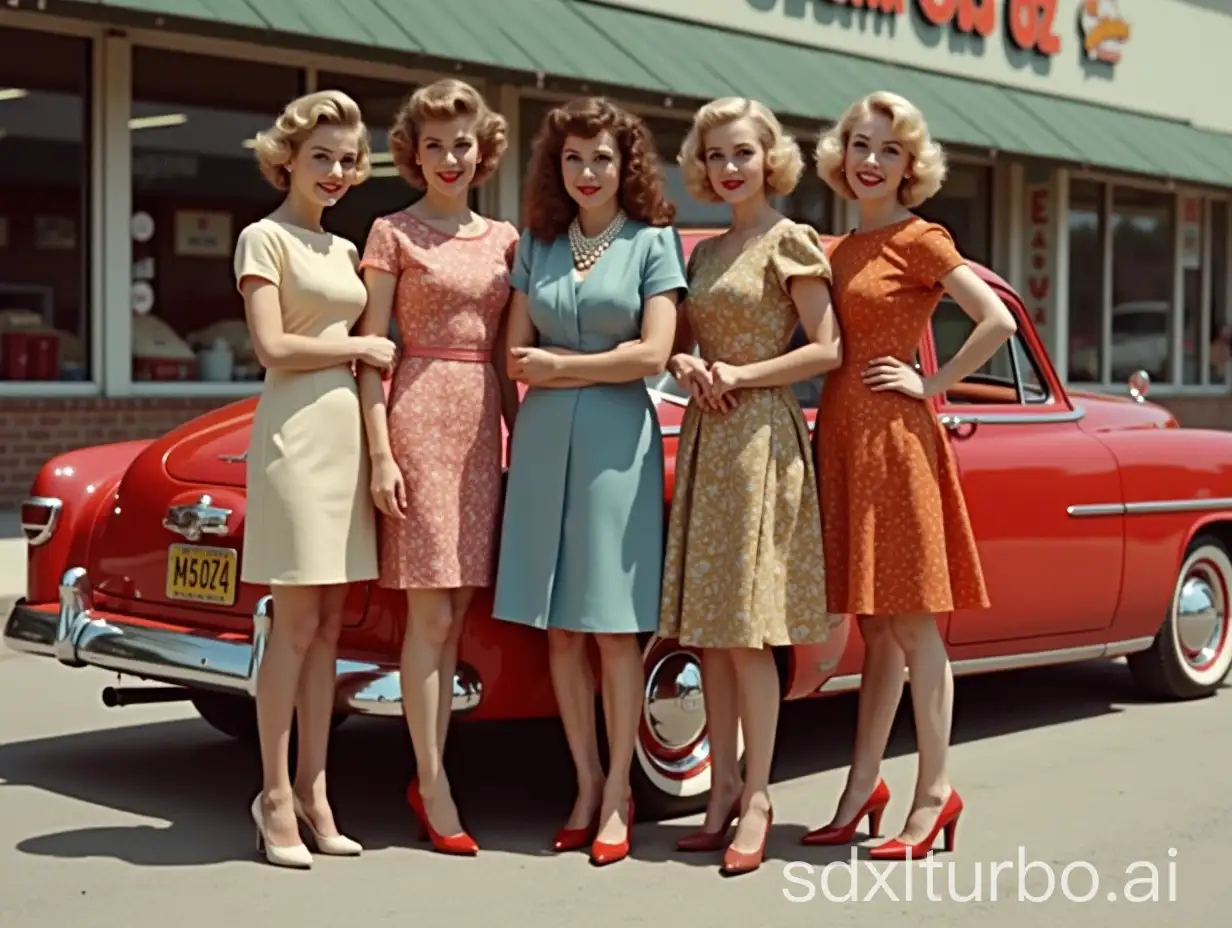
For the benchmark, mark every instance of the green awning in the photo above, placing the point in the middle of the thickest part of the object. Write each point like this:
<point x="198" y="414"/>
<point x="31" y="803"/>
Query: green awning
<point x="611" y="47"/>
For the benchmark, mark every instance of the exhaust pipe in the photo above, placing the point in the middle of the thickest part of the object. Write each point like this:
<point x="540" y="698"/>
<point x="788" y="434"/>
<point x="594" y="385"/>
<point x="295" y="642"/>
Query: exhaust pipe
<point x="118" y="696"/>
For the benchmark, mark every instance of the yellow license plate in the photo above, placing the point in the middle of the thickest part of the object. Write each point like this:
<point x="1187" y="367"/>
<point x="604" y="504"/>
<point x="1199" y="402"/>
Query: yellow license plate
<point x="202" y="575"/>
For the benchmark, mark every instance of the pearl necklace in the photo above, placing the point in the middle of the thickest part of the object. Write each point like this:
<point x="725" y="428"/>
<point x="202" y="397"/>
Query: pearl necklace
<point x="586" y="251"/>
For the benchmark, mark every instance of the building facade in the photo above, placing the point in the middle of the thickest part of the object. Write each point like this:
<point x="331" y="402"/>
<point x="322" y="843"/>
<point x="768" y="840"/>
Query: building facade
<point x="1091" y="165"/>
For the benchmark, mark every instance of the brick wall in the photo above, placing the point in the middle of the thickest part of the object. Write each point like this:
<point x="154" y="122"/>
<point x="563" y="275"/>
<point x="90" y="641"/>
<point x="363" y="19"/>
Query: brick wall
<point x="31" y="431"/>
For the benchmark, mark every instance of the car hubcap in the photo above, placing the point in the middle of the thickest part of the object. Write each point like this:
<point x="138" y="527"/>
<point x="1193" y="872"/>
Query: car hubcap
<point x="674" y="715"/>
<point x="1202" y="615"/>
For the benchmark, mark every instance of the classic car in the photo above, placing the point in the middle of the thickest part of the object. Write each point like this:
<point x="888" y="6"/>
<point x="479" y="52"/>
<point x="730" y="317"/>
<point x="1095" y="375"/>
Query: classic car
<point x="1105" y="530"/>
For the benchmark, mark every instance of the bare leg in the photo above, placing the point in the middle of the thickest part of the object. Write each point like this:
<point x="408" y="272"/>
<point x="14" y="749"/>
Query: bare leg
<point x="932" y="699"/>
<point x="621" y="660"/>
<point x="315" y="710"/>
<point x="758" y="686"/>
<point x="881" y="690"/>
<point x="574" y="685"/>
<point x="292" y="633"/>
<point x="723" y="724"/>
<point x="460" y="599"/>
<point x="429" y="619"/>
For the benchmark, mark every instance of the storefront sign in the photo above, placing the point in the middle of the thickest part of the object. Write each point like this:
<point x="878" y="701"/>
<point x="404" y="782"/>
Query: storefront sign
<point x="1191" y="233"/>
<point x="1038" y="293"/>
<point x="1104" y="30"/>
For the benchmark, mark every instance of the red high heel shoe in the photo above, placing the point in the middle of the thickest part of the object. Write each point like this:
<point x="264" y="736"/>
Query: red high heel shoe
<point x="874" y="807"/>
<point x="736" y="862"/>
<point x="574" y="839"/>
<point x="702" y="840"/>
<point x="603" y="852"/>
<point x="461" y="844"/>
<point x="947" y="820"/>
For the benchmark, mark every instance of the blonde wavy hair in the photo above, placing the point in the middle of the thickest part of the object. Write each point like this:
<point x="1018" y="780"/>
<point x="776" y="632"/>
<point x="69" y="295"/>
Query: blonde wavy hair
<point x="277" y="146"/>
<point x="926" y="169"/>
<point x="784" y="163"/>
<point x="443" y="100"/>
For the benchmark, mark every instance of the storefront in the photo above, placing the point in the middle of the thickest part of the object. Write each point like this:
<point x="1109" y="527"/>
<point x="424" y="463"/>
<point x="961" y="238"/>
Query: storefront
<point x="1088" y="168"/>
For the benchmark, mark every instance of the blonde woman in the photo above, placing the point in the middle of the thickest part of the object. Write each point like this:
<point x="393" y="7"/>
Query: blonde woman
<point x="899" y="547"/>
<point x="443" y="271"/>
<point x="744" y="568"/>
<point x="310" y="528"/>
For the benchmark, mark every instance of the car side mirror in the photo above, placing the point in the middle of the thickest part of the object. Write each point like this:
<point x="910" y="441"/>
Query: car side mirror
<point x="1139" y="385"/>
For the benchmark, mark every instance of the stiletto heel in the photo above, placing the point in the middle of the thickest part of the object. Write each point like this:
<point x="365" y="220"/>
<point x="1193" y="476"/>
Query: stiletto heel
<point x="874" y="807"/>
<point x="336" y="845"/>
<point x="460" y="845"/>
<point x="702" y="840"/>
<point x="295" y="856"/>
<point x="947" y="821"/>
<point x="737" y="862"/>
<point x="603" y="852"/>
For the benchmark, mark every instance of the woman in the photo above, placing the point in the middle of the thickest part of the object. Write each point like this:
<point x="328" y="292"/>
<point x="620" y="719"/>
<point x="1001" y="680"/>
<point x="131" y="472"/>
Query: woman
<point x="310" y="528"/>
<point x="744" y="568"/>
<point x="443" y="271"/>
<point x="899" y="547"/>
<point x="598" y="266"/>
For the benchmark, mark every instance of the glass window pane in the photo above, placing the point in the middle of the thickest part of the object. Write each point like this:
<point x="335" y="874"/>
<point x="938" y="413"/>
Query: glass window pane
<point x="1143" y="255"/>
<point x="44" y="207"/>
<point x="195" y="186"/>
<point x="1009" y="376"/>
<point x="1221" y="317"/>
<point x="964" y="206"/>
<point x="1086" y="281"/>
<point x="1193" y="240"/>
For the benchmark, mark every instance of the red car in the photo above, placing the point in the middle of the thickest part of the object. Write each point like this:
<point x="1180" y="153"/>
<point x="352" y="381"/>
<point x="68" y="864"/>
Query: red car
<point x="1105" y="529"/>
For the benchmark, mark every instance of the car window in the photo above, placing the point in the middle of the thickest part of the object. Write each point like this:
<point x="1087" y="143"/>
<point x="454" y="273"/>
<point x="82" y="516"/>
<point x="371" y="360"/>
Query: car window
<point x="1010" y="376"/>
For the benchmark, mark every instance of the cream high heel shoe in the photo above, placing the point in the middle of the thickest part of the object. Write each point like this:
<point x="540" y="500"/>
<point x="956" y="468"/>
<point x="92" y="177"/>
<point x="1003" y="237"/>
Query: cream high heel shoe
<point x="337" y="846"/>
<point x="295" y="855"/>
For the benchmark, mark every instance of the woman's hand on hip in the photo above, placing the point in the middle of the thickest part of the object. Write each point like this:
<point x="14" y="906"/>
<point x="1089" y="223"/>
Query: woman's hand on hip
<point x="388" y="488"/>
<point x="892" y="374"/>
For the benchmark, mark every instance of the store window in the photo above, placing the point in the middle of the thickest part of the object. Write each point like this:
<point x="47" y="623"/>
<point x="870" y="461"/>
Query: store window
<point x="1142" y="228"/>
<point x="964" y="206"/>
<point x="195" y="186"/>
<point x="1220" y="330"/>
<point x="44" y="208"/>
<point x="1087" y="236"/>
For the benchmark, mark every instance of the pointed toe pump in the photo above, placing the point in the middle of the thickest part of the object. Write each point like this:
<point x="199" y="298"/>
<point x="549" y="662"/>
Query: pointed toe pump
<point x="334" y="845"/>
<point x="947" y="821"/>
<point x="603" y="853"/>
<point x="737" y="862"/>
<point x="574" y="839"/>
<point x="874" y="807"/>
<point x="459" y="845"/>
<point x="295" y="856"/>
<point x="702" y="840"/>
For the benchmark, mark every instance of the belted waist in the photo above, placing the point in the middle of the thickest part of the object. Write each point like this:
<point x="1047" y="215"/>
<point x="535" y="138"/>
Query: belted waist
<point x="475" y="355"/>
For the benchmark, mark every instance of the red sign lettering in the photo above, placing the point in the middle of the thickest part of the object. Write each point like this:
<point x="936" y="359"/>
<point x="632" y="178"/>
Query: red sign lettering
<point x="978" y="16"/>
<point x="938" y="12"/>
<point x="1030" y="24"/>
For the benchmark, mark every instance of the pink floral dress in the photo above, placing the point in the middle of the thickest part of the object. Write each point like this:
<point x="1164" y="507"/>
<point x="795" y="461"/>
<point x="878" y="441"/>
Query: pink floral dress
<point x="444" y="404"/>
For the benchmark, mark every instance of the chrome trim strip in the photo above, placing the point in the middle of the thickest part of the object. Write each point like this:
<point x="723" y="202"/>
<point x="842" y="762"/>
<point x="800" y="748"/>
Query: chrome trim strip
<point x="1011" y="418"/>
<point x="42" y="532"/>
<point x="1150" y="507"/>
<point x="848" y="682"/>
<point x="78" y="638"/>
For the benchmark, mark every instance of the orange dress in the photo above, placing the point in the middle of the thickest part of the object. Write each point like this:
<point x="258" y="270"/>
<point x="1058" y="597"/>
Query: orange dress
<point x="896" y="534"/>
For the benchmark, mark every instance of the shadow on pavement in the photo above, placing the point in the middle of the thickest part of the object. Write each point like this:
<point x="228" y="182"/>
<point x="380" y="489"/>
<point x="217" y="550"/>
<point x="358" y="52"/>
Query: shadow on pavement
<point x="513" y="781"/>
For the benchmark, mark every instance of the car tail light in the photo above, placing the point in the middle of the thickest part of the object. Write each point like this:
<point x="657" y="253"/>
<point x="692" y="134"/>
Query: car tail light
<point x="39" y="515"/>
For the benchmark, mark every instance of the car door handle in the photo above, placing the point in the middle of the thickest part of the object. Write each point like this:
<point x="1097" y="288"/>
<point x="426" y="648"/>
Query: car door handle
<point x="959" y="426"/>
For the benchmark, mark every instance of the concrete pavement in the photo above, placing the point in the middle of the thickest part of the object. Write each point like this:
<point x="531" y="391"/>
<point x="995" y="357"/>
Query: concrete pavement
<point x="12" y="559"/>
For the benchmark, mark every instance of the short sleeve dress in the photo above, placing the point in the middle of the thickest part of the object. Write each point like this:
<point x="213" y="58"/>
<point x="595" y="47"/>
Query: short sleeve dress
<point x="897" y="535"/>
<point x="744" y="566"/>
<point x="582" y="541"/>
<point x="444" y="403"/>
<point x="309" y="517"/>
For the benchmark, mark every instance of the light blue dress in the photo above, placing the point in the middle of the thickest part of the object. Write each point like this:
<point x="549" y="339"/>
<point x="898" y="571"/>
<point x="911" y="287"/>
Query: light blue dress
<point x="582" y="540"/>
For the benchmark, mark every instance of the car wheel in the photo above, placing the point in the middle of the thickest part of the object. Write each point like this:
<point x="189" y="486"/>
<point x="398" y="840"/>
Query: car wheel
<point x="671" y="758"/>
<point x="1192" y="652"/>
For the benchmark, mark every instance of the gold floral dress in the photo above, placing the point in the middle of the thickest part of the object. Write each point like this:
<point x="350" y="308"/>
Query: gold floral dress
<point x="744" y="565"/>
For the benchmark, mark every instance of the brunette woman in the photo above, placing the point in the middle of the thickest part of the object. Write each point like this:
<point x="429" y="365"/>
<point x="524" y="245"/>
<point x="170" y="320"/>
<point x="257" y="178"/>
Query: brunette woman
<point x="310" y="529"/>
<point x="598" y="275"/>
<point x="443" y="271"/>
<point x="744" y="569"/>
<point x="899" y="547"/>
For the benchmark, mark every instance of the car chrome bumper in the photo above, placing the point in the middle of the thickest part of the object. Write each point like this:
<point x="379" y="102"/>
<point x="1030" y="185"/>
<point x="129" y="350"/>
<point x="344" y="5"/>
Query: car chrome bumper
<point x="77" y="637"/>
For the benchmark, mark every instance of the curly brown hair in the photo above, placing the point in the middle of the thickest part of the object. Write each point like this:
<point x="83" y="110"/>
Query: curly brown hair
<point x="548" y="207"/>
<point x="447" y="99"/>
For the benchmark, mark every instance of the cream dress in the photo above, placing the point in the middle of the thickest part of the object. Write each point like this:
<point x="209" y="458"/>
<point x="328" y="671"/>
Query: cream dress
<point x="310" y="518"/>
